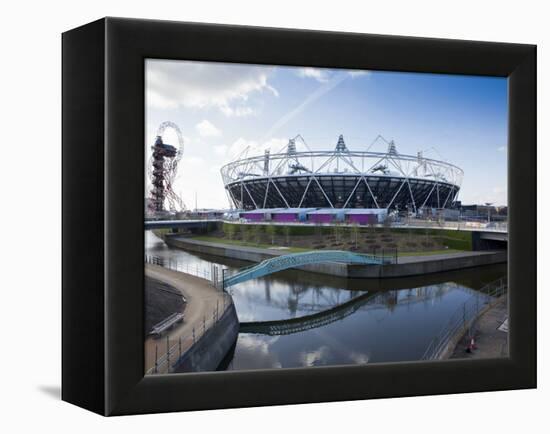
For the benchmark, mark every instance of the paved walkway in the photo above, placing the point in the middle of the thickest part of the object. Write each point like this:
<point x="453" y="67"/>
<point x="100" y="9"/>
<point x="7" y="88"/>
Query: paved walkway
<point x="202" y="301"/>
<point x="490" y="337"/>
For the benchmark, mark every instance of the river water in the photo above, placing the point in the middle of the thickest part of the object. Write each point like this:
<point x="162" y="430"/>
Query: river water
<point x="388" y="320"/>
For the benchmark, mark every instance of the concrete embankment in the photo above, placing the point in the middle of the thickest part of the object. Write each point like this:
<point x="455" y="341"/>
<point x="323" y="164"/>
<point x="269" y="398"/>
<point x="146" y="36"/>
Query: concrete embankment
<point x="420" y="265"/>
<point x="211" y="348"/>
<point x="214" y="334"/>
<point x="406" y="266"/>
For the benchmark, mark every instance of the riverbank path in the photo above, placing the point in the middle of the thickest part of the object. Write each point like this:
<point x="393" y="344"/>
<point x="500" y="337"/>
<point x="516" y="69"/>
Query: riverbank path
<point x="202" y="300"/>
<point x="491" y="337"/>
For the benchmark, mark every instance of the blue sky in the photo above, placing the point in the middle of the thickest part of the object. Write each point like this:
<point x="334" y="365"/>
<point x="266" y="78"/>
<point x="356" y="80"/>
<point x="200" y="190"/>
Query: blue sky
<point x="223" y="109"/>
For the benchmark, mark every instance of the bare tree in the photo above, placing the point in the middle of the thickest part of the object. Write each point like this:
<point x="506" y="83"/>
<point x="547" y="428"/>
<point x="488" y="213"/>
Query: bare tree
<point x="386" y="223"/>
<point x="286" y="230"/>
<point x="337" y="229"/>
<point x="354" y="232"/>
<point x="229" y="230"/>
<point x="245" y="232"/>
<point x="271" y="231"/>
<point x="319" y="232"/>
<point x="258" y="231"/>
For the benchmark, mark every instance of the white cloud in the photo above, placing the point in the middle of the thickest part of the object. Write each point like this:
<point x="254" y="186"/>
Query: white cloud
<point x="324" y="75"/>
<point x="220" y="149"/>
<point x="192" y="160"/>
<point x="238" y="112"/>
<point x="358" y="73"/>
<point x="316" y="73"/>
<point x="239" y="146"/>
<point x="227" y="87"/>
<point x="242" y="146"/>
<point x="207" y="129"/>
<point x="313" y="358"/>
<point x="275" y="144"/>
<point x="359" y="358"/>
<point x="502" y="148"/>
<point x="257" y="343"/>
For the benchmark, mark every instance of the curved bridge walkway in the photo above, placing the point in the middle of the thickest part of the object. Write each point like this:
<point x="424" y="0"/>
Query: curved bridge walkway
<point x="293" y="260"/>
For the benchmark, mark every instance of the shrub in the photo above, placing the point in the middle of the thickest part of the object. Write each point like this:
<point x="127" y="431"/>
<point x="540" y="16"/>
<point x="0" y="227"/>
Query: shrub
<point x="229" y="230"/>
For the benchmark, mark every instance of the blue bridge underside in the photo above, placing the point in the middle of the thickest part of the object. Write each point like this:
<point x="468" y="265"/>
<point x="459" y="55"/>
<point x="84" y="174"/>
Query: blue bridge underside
<point x="293" y="260"/>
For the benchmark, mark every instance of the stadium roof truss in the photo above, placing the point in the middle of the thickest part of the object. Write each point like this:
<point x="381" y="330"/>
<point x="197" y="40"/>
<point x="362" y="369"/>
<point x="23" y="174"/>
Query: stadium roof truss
<point x="341" y="178"/>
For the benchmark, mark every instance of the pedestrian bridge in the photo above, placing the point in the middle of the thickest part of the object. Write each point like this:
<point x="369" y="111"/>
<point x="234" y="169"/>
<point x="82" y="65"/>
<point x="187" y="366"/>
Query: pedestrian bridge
<point x="178" y="224"/>
<point x="294" y="260"/>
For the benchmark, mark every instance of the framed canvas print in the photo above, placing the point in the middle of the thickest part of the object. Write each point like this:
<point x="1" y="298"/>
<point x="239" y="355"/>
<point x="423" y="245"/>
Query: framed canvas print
<point x="258" y="216"/>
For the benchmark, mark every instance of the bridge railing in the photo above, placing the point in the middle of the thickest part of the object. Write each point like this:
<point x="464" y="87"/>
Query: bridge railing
<point x="465" y="225"/>
<point x="386" y="255"/>
<point x="220" y="277"/>
<point x="294" y="260"/>
<point x="465" y="318"/>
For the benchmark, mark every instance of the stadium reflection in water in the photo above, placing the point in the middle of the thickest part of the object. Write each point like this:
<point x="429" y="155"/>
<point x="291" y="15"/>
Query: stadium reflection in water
<point x="336" y="321"/>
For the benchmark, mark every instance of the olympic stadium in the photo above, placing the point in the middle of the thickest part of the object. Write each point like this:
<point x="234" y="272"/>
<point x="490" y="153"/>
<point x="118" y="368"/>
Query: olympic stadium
<point x="341" y="179"/>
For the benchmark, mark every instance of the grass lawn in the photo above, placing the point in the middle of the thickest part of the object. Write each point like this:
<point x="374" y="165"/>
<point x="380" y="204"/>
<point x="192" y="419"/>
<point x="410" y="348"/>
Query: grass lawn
<point x="300" y="249"/>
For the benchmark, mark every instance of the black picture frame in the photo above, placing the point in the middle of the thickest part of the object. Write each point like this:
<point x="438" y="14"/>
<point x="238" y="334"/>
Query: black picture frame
<point x="103" y="203"/>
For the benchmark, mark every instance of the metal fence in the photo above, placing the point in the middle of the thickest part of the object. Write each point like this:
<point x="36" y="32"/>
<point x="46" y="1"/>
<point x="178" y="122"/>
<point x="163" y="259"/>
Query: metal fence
<point x="213" y="273"/>
<point x="168" y="352"/>
<point x="464" y="320"/>
<point x="458" y="225"/>
<point x="413" y="223"/>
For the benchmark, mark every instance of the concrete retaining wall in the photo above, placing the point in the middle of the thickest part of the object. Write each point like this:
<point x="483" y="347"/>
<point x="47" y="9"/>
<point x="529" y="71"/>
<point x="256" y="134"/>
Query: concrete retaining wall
<point x="427" y="266"/>
<point x="211" y="348"/>
<point x="424" y="265"/>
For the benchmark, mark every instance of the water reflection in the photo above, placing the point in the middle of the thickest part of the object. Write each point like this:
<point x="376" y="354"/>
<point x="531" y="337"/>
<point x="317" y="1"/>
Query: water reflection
<point x="396" y="320"/>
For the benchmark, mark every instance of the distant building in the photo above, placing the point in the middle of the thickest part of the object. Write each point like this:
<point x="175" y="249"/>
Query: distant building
<point x="484" y="212"/>
<point x="360" y="216"/>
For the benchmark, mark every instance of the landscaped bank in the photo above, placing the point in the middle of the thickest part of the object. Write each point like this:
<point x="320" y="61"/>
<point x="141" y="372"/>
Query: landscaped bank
<point x="346" y="237"/>
<point x="409" y="265"/>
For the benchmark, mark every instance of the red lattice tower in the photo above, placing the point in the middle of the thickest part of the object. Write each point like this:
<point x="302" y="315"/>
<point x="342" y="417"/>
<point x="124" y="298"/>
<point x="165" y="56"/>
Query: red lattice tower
<point x="162" y="170"/>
